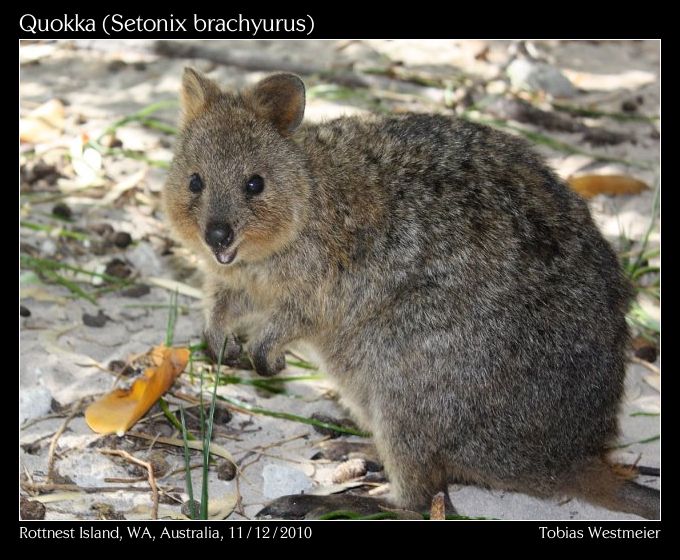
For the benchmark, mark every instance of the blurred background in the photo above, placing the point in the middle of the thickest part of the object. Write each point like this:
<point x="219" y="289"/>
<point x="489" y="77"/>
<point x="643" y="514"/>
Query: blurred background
<point x="98" y="269"/>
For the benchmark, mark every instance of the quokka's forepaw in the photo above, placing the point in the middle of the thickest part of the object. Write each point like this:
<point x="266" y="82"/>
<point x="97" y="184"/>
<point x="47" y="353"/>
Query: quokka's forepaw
<point x="263" y="364"/>
<point x="231" y="355"/>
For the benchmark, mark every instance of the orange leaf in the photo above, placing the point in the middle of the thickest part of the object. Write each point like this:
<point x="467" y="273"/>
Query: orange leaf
<point x="118" y="411"/>
<point x="590" y="185"/>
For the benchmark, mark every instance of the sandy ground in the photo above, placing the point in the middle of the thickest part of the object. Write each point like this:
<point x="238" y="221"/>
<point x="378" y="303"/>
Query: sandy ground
<point x="63" y="361"/>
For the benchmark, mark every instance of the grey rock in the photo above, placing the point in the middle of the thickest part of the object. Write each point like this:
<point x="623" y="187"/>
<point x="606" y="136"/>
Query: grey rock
<point x="34" y="402"/>
<point x="538" y="76"/>
<point x="281" y="481"/>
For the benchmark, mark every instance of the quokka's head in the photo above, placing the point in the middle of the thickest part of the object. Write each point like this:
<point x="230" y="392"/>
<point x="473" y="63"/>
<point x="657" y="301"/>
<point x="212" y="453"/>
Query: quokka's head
<point x="237" y="186"/>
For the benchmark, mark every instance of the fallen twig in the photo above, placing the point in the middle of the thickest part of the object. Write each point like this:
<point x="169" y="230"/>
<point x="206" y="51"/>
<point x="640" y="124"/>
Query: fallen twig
<point x="51" y="455"/>
<point x="149" y="469"/>
<point x="50" y="487"/>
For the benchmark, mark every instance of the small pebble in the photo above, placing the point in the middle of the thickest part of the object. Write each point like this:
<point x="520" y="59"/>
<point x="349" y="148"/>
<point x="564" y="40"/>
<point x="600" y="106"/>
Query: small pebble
<point x="122" y="239"/>
<point x="31" y="448"/>
<point x="118" y="268"/>
<point x="57" y="407"/>
<point x="629" y="106"/>
<point x="32" y="510"/>
<point x="62" y="210"/>
<point x="138" y="290"/>
<point x="106" y="511"/>
<point x="222" y="416"/>
<point x="187" y="509"/>
<point x="226" y="470"/>
<point x="24" y="311"/>
<point x="41" y="170"/>
<point x="116" y="65"/>
<point x="98" y="320"/>
<point x="159" y="463"/>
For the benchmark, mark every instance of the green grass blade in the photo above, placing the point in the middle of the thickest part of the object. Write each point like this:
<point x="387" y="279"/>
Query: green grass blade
<point x="292" y="417"/>
<point x="140" y="115"/>
<point x="48" y="264"/>
<point x="172" y="320"/>
<point x="301" y="364"/>
<point x="171" y="417"/>
<point x="159" y="125"/>
<point x="208" y="435"/>
<point x="646" y="440"/>
<point x="70" y="285"/>
<point x="187" y="465"/>
<point x="644" y="270"/>
<point x="61" y="232"/>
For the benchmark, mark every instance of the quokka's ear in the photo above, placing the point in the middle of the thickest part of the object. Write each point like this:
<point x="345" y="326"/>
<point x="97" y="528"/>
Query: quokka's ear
<point x="197" y="92"/>
<point x="281" y="100"/>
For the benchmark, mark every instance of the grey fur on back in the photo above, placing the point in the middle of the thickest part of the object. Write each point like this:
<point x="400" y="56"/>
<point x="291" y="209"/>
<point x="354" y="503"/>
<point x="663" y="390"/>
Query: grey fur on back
<point x="483" y="312"/>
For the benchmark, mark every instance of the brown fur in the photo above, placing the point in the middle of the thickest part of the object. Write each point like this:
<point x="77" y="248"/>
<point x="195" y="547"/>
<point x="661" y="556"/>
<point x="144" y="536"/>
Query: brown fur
<point x="458" y="293"/>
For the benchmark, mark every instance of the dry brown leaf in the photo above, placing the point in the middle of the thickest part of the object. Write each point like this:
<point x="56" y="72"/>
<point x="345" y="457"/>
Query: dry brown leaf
<point x="43" y="124"/>
<point x="118" y="411"/>
<point x="589" y="186"/>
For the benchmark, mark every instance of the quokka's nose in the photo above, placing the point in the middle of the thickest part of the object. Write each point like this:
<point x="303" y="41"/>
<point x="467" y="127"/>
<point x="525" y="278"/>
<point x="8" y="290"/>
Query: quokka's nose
<point x="219" y="235"/>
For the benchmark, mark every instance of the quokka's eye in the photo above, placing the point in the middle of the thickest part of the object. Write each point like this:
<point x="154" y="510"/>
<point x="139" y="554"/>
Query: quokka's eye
<point x="195" y="183"/>
<point x="255" y="185"/>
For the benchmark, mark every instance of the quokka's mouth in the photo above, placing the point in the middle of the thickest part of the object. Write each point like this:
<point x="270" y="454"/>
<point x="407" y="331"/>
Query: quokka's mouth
<point x="225" y="255"/>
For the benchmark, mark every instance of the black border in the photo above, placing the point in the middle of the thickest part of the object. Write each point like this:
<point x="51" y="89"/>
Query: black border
<point x="346" y="22"/>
